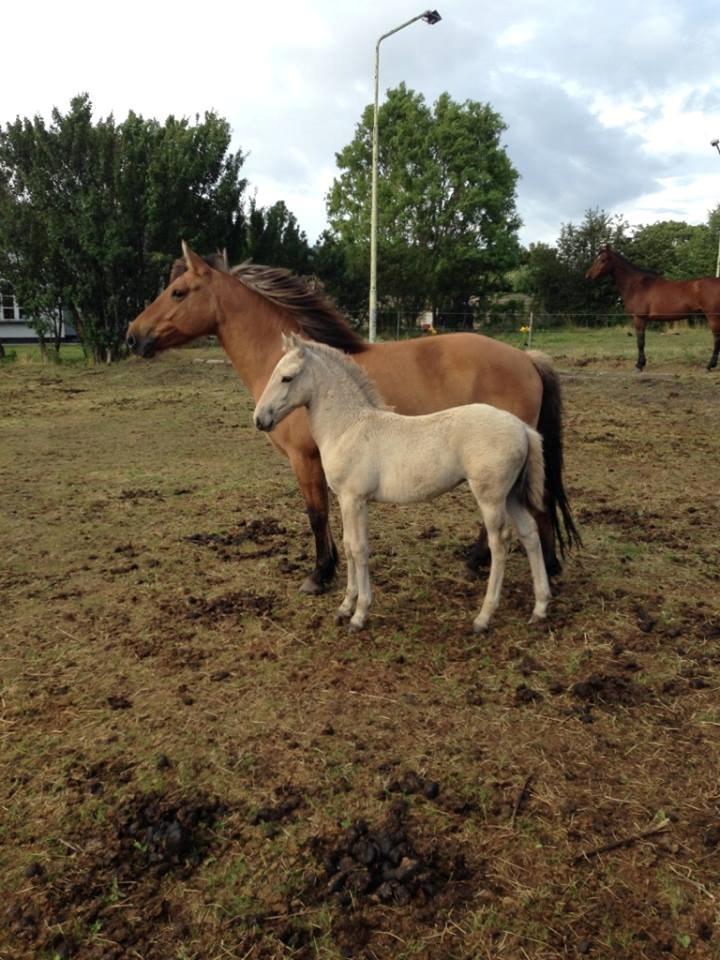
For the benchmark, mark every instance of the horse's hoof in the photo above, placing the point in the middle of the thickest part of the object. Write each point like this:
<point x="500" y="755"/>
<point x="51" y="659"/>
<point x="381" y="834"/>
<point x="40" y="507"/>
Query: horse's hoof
<point x="356" y="627"/>
<point x="480" y="627"/>
<point x="313" y="587"/>
<point x="537" y="618"/>
<point x="341" y="618"/>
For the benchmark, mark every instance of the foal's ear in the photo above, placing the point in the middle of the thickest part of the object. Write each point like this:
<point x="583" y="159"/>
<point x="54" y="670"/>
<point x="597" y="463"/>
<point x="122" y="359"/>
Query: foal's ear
<point x="194" y="262"/>
<point x="293" y="342"/>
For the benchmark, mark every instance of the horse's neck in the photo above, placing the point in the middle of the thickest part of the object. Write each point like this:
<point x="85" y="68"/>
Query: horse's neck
<point x="249" y="337"/>
<point x="625" y="275"/>
<point x="337" y="402"/>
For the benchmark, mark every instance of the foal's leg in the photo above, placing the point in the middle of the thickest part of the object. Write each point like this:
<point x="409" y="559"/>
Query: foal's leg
<point x="640" y="324"/>
<point x="346" y="608"/>
<point x="313" y="486"/>
<point x="527" y="531"/>
<point x="355" y="540"/>
<point x="478" y="555"/>
<point x="494" y="517"/>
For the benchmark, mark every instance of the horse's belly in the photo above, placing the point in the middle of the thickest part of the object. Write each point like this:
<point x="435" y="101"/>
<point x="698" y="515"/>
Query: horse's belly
<point x="414" y="486"/>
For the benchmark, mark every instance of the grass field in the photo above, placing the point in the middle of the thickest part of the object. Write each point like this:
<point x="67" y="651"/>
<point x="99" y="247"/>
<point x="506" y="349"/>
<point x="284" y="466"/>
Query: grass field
<point x="197" y="763"/>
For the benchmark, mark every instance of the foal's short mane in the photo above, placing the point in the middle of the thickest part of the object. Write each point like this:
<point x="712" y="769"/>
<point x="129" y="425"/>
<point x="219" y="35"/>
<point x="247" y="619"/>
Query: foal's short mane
<point x="315" y="314"/>
<point x="354" y="372"/>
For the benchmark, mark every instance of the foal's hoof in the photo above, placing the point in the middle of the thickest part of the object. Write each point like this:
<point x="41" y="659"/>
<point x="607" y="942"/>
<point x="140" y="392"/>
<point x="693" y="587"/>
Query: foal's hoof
<point x="480" y="628"/>
<point x="314" y="587"/>
<point x="354" y="627"/>
<point x="341" y="618"/>
<point x="537" y="618"/>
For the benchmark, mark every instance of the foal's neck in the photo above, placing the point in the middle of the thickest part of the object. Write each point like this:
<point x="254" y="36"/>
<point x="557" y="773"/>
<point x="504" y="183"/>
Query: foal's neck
<point x="337" y="400"/>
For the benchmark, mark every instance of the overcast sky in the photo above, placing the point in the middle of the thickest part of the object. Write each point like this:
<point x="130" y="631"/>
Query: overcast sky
<point x="608" y="104"/>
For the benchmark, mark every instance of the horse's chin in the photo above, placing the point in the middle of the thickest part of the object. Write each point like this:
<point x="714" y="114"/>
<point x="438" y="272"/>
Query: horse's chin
<point x="145" y="347"/>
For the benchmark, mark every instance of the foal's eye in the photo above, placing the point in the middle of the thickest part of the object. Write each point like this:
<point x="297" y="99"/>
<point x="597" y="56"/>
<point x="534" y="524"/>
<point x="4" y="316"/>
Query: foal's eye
<point x="286" y="379"/>
<point x="178" y="294"/>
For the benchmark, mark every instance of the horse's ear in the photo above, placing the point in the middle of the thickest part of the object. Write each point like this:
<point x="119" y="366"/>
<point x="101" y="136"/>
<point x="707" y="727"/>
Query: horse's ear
<point x="286" y="342"/>
<point x="194" y="262"/>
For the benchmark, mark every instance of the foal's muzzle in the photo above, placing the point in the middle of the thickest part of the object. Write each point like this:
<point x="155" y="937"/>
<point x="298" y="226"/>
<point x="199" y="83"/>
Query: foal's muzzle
<point x="264" y="421"/>
<point x="141" y="346"/>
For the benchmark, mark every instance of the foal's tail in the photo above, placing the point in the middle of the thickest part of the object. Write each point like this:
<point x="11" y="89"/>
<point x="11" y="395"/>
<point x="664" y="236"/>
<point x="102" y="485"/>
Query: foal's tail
<point x="530" y="484"/>
<point x="533" y="474"/>
<point x="550" y="427"/>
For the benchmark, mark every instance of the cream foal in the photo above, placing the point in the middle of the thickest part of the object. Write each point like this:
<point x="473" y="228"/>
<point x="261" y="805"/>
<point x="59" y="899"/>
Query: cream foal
<point x="370" y="453"/>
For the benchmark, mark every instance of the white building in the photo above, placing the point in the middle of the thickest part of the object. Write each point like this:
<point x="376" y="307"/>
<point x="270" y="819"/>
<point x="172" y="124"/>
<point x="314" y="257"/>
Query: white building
<point x="14" y="327"/>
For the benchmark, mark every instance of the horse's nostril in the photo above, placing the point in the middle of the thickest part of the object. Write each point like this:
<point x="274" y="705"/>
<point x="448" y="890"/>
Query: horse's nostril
<point x="131" y="341"/>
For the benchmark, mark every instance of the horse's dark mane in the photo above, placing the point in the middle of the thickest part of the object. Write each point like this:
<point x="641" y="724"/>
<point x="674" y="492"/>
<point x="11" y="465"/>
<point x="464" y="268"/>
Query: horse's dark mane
<point x="633" y="266"/>
<point x="313" y="311"/>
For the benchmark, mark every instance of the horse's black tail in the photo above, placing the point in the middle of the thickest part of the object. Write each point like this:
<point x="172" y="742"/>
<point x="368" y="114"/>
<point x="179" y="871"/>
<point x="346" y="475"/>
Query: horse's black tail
<point x="550" y="425"/>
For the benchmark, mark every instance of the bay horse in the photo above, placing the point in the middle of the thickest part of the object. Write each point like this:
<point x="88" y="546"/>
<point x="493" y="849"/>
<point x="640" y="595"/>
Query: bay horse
<point x="372" y="453"/>
<point x="249" y="307"/>
<point x="648" y="296"/>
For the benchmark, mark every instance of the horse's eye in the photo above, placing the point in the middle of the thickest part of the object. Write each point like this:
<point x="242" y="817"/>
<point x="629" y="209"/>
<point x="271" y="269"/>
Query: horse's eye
<point x="178" y="294"/>
<point x="286" y="379"/>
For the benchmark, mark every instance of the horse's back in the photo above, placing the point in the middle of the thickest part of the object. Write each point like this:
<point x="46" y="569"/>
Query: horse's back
<point x="427" y="374"/>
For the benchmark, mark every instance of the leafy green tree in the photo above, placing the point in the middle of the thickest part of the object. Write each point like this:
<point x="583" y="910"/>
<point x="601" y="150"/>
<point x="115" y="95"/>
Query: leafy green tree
<point x="91" y="214"/>
<point x="447" y="220"/>
<point x="274" y="237"/>
<point x="555" y="276"/>
<point x="343" y="270"/>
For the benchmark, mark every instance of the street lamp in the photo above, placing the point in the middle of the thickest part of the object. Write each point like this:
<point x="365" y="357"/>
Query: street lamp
<point x="431" y="17"/>
<point x="716" y="143"/>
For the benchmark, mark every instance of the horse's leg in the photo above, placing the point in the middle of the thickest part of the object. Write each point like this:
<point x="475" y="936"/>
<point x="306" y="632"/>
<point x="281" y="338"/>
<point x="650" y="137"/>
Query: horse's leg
<point x="715" y="327"/>
<point x="640" y="323"/>
<point x="313" y="487"/>
<point x="354" y="517"/>
<point x="478" y="554"/>
<point x="547" y="543"/>
<point x="527" y="531"/>
<point x="494" y="517"/>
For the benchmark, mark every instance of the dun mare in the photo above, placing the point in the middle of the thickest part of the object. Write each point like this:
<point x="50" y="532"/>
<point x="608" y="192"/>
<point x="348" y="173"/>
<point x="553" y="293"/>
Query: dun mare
<point x="248" y="309"/>
<point x="372" y="453"/>
<point x="647" y="296"/>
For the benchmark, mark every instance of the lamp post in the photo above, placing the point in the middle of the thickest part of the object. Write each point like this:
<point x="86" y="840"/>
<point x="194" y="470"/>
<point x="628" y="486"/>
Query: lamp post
<point x="716" y="143"/>
<point x="431" y="17"/>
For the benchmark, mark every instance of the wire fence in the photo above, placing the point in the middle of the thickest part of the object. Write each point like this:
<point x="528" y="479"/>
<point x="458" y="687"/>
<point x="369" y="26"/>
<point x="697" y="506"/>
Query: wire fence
<point x="397" y="324"/>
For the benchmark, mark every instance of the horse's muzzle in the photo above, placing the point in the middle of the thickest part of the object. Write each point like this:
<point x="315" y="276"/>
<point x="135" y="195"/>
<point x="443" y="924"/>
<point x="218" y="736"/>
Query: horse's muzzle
<point x="264" y="421"/>
<point x="141" y="346"/>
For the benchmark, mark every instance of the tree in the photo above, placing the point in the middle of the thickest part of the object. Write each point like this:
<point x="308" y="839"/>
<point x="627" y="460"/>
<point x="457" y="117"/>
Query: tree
<point x="556" y="275"/>
<point x="447" y="222"/>
<point x="274" y="237"/>
<point x="91" y="214"/>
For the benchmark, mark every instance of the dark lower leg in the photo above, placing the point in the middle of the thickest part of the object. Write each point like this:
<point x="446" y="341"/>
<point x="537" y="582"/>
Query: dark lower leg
<point x="326" y="554"/>
<point x="313" y="487"/>
<point x="547" y="541"/>
<point x="716" y="351"/>
<point x="477" y="555"/>
<point x="641" y="361"/>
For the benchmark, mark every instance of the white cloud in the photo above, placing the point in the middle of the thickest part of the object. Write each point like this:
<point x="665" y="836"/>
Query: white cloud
<point x="609" y="104"/>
